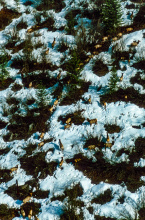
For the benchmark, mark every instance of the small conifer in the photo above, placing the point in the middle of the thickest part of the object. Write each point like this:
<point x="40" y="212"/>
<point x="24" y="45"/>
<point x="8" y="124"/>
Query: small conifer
<point x="113" y="81"/>
<point x="41" y="94"/>
<point x="111" y="15"/>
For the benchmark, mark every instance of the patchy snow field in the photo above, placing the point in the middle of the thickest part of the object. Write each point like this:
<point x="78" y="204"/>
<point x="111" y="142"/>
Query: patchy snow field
<point x="128" y="117"/>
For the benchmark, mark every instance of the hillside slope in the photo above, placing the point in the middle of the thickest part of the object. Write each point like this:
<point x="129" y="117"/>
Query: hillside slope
<point x="72" y="112"/>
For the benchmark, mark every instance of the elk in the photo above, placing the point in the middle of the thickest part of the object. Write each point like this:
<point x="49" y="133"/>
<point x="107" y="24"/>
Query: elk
<point x="129" y="29"/>
<point x="108" y="139"/>
<point x="30" y="213"/>
<point x="123" y="58"/>
<point x="41" y="144"/>
<point x="29" y="30"/>
<point x="105" y="38"/>
<point x="51" y="109"/>
<point x="91" y="147"/>
<point x="108" y="145"/>
<point x="30" y="85"/>
<point x="77" y="160"/>
<point x="90" y="56"/>
<point x="53" y="43"/>
<point x="89" y="100"/>
<point x="131" y="16"/>
<point x="27" y="198"/>
<point x="14" y="169"/>
<point x="121" y="78"/>
<point x="95" y="53"/>
<point x="47" y="51"/>
<point x="87" y="60"/>
<point x="134" y="43"/>
<point x="59" y="75"/>
<point x="61" y="162"/>
<point x="61" y="145"/>
<point x="42" y="135"/>
<point x="104" y="104"/>
<point x="68" y="121"/>
<point x="119" y="35"/>
<point x="92" y="121"/>
<point x="55" y="103"/>
<point x="97" y="46"/>
<point x="67" y="126"/>
<point x="22" y="212"/>
<point x="114" y="38"/>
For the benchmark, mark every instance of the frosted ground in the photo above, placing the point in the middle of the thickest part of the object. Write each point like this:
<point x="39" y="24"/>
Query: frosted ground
<point x="126" y="115"/>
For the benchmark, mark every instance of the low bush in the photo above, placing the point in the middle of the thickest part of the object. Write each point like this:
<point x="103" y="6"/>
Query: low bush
<point x="103" y="198"/>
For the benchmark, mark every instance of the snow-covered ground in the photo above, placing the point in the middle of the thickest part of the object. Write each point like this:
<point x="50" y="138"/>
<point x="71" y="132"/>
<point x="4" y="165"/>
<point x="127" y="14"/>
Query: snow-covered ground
<point x="126" y="115"/>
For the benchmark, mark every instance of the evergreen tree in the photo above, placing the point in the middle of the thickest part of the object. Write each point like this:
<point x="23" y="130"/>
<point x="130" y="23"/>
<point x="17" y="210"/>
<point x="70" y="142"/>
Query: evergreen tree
<point x="111" y="15"/>
<point x="113" y="81"/>
<point x="41" y="95"/>
<point x="3" y="64"/>
<point x="73" y="67"/>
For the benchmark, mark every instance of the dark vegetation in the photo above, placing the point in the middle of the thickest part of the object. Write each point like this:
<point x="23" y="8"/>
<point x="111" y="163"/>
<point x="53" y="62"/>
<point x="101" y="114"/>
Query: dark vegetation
<point x="24" y="127"/>
<point x="42" y="78"/>
<point x="76" y="118"/>
<point x="2" y="124"/>
<point x="6" y="16"/>
<point x="48" y="5"/>
<point x="37" y="163"/>
<point x="5" y="175"/>
<point x="31" y="205"/>
<point x="132" y="95"/>
<point x="114" y="174"/>
<point x="113" y="128"/>
<point x="103" y="198"/>
<point x="91" y="140"/>
<point x="139" y="18"/>
<point x="7" y="213"/>
<point x="139" y="65"/>
<point x="137" y="79"/>
<point x="4" y="84"/>
<point x="99" y="68"/>
<point x="98" y="217"/>
<point x="69" y="212"/>
<point x="75" y="94"/>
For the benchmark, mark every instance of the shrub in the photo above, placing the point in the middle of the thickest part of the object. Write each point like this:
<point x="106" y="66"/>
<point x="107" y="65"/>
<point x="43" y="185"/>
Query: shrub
<point x="100" y="68"/>
<point x="103" y="198"/>
<point x="22" y="24"/>
<point x="71" y="206"/>
<point x="63" y="45"/>
<point x="139" y="17"/>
